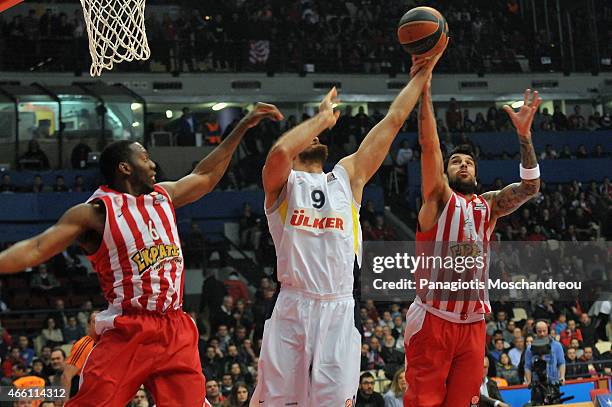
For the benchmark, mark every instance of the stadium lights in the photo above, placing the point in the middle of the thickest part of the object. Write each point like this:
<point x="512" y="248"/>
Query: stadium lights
<point x="219" y="106"/>
<point x="135" y="124"/>
<point x="518" y="104"/>
<point x="135" y="106"/>
<point x="169" y="114"/>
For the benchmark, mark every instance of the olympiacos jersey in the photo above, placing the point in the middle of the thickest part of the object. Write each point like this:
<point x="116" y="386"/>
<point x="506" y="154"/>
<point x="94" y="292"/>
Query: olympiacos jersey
<point x="139" y="262"/>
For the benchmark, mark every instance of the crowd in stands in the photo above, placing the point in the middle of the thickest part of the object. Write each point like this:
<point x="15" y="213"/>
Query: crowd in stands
<point x="356" y="36"/>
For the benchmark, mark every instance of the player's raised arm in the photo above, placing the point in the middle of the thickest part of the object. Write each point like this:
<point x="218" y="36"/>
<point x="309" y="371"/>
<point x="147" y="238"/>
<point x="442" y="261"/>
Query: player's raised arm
<point x="207" y="174"/>
<point x="510" y="198"/>
<point x="38" y="249"/>
<point x="280" y="158"/>
<point x="364" y="163"/>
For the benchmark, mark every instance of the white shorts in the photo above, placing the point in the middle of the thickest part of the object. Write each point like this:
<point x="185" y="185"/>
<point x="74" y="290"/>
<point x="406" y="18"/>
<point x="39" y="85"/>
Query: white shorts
<point x="311" y="352"/>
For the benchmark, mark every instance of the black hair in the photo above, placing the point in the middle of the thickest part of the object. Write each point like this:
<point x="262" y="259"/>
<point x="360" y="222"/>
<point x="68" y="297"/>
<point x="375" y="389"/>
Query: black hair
<point x="461" y="149"/>
<point x="366" y="375"/>
<point x="113" y="154"/>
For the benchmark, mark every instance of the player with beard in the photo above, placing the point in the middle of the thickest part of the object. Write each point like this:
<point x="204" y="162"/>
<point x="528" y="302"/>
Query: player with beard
<point x="128" y="229"/>
<point x="310" y="354"/>
<point x="445" y="331"/>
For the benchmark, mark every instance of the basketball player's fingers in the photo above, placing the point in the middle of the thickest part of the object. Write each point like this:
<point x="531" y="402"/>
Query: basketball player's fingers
<point x="336" y="114"/>
<point x="509" y="110"/>
<point x="526" y="97"/>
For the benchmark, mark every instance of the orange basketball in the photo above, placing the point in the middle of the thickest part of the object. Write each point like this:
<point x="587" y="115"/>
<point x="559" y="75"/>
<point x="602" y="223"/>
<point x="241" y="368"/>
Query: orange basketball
<point x="422" y="31"/>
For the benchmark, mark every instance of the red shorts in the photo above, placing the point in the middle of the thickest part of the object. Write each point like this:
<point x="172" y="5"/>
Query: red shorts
<point x="157" y="350"/>
<point x="444" y="363"/>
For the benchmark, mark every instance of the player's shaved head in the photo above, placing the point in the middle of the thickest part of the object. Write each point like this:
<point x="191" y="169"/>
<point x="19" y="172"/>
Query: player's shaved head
<point x="114" y="154"/>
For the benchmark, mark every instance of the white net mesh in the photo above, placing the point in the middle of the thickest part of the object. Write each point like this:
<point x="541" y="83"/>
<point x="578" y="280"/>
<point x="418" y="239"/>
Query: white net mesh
<point x="116" y="30"/>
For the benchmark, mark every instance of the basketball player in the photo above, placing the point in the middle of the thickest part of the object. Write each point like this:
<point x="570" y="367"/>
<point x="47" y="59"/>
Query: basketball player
<point x="79" y="353"/>
<point x="445" y="335"/>
<point x="310" y="351"/>
<point x="128" y="228"/>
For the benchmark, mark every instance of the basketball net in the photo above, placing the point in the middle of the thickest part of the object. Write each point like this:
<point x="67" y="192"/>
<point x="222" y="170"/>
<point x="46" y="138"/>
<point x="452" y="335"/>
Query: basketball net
<point x="116" y="31"/>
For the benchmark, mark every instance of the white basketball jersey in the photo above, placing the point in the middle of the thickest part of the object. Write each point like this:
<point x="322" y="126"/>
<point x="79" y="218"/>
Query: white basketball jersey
<point x="316" y="232"/>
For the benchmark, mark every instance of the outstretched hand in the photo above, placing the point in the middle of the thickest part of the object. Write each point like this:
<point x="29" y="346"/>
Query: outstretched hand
<point x="260" y="112"/>
<point x="426" y="64"/>
<point x="523" y="119"/>
<point x="327" y="105"/>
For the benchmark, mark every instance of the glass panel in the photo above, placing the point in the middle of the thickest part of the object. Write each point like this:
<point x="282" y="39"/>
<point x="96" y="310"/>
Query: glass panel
<point x="7" y="133"/>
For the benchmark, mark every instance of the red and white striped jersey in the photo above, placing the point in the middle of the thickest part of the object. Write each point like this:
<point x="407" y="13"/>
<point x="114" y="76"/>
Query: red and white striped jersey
<point x="461" y="221"/>
<point x="139" y="262"/>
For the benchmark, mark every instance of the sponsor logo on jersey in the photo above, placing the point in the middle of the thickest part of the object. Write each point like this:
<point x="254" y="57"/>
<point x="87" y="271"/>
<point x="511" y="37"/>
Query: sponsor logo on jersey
<point x="149" y="256"/>
<point x="331" y="177"/>
<point x="348" y="403"/>
<point x="309" y="220"/>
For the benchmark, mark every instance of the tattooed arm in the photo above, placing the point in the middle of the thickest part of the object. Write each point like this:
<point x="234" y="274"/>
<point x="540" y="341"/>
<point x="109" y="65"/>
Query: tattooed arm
<point x="510" y="198"/>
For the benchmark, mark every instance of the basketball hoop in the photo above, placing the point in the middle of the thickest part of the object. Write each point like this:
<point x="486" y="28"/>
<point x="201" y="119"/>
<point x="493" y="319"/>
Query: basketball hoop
<point x="116" y="31"/>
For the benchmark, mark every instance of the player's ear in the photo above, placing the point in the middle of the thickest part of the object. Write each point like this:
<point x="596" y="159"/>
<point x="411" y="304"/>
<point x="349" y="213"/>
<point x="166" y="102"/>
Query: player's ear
<point x="125" y="168"/>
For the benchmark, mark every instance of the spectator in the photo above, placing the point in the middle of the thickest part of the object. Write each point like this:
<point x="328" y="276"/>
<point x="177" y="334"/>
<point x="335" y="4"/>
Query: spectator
<point x="497" y="351"/>
<point x="227" y="385"/>
<point x="236" y="288"/>
<point x="224" y="314"/>
<point x="14" y="358"/>
<point x="506" y="370"/>
<point x="211" y="362"/>
<point x="37" y="186"/>
<point x="453" y="116"/>
<point x="79" y="184"/>
<point x="375" y="360"/>
<point x="239" y="396"/>
<point x="52" y="335"/>
<point x="559" y="119"/>
<point x="72" y="331"/>
<point x="249" y="229"/>
<point x="212" y="130"/>
<point x="45" y="357"/>
<point x="214" y="397"/>
<point x="404" y="154"/>
<point x="60" y="185"/>
<point x="34" y="158"/>
<point x="7" y="186"/>
<point x="575" y="368"/>
<point x="213" y="292"/>
<point x="555" y="360"/>
<point x="59" y="314"/>
<point x="395" y="396"/>
<point x="43" y="281"/>
<point x="570" y="333"/>
<point x="58" y="360"/>
<point x="587" y="357"/>
<point x="140" y="399"/>
<point x="560" y="324"/>
<point x="26" y="352"/>
<point x="79" y="155"/>
<point x="38" y="369"/>
<point x="489" y="393"/>
<point x="587" y="329"/>
<point x="366" y="396"/>
<point x="516" y="353"/>
<point x="380" y="231"/>
<point x="582" y="153"/>
<point x="187" y="126"/>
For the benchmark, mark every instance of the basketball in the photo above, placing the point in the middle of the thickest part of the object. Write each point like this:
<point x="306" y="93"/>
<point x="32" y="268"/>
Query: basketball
<point x="422" y="31"/>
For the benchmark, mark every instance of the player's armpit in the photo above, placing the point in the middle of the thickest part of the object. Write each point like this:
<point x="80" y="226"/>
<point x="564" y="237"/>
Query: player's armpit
<point x="31" y="252"/>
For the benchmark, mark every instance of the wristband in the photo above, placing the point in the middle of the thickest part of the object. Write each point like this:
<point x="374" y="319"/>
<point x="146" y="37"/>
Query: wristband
<point x="529" y="173"/>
